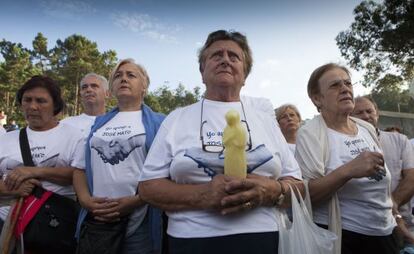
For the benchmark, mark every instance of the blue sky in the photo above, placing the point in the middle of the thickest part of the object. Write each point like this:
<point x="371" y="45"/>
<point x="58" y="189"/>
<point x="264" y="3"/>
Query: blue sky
<point x="289" y="39"/>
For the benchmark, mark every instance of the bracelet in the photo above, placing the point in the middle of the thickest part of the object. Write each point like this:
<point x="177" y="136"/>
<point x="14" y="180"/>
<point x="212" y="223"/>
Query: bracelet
<point x="282" y="187"/>
<point x="281" y="198"/>
<point x="398" y="216"/>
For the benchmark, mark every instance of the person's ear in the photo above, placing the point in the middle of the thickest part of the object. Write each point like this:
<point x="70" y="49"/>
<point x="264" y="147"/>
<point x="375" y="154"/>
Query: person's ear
<point x="316" y="99"/>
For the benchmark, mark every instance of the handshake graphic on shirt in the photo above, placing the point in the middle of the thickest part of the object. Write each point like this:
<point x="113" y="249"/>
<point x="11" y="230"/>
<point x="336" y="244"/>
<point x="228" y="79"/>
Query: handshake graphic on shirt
<point x="116" y="150"/>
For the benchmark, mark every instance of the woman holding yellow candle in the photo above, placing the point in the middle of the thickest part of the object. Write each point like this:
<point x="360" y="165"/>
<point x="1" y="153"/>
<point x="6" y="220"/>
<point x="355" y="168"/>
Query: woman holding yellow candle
<point x="208" y="211"/>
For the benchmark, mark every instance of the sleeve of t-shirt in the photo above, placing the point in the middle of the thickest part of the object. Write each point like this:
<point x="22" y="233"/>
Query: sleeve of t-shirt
<point x="407" y="153"/>
<point x="158" y="160"/>
<point x="78" y="154"/>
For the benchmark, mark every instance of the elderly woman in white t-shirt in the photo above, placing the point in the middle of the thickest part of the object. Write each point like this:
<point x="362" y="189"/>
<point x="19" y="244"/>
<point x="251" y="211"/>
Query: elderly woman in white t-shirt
<point x="113" y="213"/>
<point x="340" y="155"/>
<point x="183" y="174"/>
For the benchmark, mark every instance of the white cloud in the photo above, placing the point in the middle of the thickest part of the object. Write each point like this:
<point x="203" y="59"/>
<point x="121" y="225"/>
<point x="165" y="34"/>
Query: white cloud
<point x="146" y="25"/>
<point x="72" y="10"/>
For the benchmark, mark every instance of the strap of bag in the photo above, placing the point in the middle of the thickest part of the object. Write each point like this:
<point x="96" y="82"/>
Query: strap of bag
<point x="27" y="158"/>
<point x="305" y="197"/>
<point x="25" y="148"/>
<point x="308" y="202"/>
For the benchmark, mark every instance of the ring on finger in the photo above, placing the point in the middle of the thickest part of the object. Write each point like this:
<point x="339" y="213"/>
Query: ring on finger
<point x="248" y="205"/>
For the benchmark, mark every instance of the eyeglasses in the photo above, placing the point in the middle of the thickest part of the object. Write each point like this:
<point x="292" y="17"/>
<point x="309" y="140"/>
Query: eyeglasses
<point x="213" y="147"/>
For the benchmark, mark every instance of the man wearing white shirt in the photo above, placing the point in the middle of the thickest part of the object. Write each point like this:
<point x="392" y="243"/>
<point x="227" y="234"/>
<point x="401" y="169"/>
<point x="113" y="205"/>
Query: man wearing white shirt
<point x="93" y="92"/>
<point x="399" y="158"/>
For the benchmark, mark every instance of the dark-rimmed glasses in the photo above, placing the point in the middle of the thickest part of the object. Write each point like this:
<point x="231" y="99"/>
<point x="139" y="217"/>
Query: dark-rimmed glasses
<point x="213" y="148"/>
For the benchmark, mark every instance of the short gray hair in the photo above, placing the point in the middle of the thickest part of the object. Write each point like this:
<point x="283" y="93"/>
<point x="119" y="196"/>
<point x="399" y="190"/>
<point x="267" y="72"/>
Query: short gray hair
<point x="104" y="81"/>
<point x="145" y="77"/>
<point x="282" y="109"/>
<point x="369" y="98"/>
<point x="223" y="35"/>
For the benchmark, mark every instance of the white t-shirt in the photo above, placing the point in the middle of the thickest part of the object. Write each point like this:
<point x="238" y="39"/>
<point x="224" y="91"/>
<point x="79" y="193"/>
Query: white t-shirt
<point x="56" y="147"/>
<point x="259" y="103"/>
<point x="292" y="148"/>
<point x="2" y="130"/>
<point x="176" y="153"/>
<point x="398" y="155"/>
<point x="117" y="156"/>
<point x="83" y="122"/>
<point x="365" y="203"/>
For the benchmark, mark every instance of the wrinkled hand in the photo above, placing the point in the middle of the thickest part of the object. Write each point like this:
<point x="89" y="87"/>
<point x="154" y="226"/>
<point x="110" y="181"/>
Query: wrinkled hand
<point x="245" y="194"/>
<point x="403" y="232"/>
<point x="216" y="191"/>
<point x="17" y="176"/>
<point x="26" y="188"/>
<point x="368" y="164"/>
<point x="124" y="206"/>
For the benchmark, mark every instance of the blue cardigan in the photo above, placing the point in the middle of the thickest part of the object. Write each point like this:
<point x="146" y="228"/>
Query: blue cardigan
<point x="152" y="122"/>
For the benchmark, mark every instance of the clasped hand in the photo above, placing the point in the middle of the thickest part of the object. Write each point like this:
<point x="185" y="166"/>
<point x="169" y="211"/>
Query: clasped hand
<point x="368" y="164"/>
<point x="110" y="209"/>
<point x="17" y="176"/>
<point x="231" y="195"/>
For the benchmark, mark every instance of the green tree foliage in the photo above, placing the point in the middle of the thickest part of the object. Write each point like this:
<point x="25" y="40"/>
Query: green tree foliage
<point x="380" y="41"/>
<point x="391" y="97"/>
<point x="67" y="62"/>
<point x="40" y="54"/>
<point x="165" y="100"/>
<point x="16" y="68"/>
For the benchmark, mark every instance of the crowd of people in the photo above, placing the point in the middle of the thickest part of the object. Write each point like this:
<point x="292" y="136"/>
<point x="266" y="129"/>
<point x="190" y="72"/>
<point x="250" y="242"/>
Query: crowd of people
<point x="149" y="183"/>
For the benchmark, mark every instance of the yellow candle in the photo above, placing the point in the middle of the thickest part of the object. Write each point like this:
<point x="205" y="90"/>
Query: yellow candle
<point x="234" y="140"/>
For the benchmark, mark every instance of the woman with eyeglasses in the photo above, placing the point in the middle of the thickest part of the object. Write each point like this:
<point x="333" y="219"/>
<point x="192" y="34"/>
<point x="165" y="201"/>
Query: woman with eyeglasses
<point x="289" y="120"/>
<point x="341" y="157"/>
<point x="114" y="218"/>
<point x="183" y="174"/>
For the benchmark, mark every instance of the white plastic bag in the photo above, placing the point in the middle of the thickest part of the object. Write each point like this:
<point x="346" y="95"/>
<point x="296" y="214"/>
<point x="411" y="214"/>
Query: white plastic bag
<point x="303" y="236"/>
